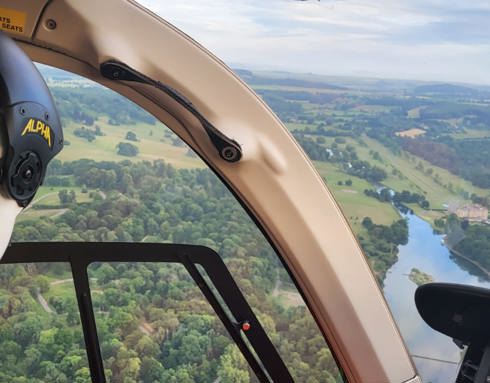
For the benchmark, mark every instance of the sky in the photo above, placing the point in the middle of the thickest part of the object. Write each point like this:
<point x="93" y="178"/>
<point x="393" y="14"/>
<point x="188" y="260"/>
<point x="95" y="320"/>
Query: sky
<point x="432" y="40"/>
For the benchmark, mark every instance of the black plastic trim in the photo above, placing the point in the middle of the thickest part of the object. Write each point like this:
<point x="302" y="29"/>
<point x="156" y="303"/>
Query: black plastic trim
<point x="228" y="149"/>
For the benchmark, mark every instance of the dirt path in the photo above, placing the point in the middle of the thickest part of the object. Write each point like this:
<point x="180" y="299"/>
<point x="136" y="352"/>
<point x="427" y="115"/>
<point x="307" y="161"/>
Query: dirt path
<point x="277" y="286"/>
<point x="60" y="212"/>
<point x="43" y="303"/>
<point x="289" y="298"/>
<point x="39" y="199"/>
<point x="61" y="281"/>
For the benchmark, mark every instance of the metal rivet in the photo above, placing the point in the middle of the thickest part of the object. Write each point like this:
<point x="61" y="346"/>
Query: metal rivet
<point x="28" y="174"/>
<point x="22" y="110"/>
<point x="51" y="24"/>
<point x="229" y="153"/>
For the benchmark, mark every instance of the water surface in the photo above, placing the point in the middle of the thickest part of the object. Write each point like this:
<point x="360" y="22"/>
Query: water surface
<point x="426" y="252"/>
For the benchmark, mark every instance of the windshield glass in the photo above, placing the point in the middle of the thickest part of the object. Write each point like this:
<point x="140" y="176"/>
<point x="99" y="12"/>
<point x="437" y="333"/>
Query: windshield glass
<point x="124" y="177"/>
<point x="391" y="102"/>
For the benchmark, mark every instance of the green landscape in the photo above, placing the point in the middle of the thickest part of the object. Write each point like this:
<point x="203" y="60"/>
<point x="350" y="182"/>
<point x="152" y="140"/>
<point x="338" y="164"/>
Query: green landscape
<point x="384" y="148"/>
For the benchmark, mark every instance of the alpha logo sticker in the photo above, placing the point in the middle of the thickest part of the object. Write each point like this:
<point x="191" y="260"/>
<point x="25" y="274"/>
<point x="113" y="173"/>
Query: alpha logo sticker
<point x="12" y="21"/>
<point x="38" y="127"/>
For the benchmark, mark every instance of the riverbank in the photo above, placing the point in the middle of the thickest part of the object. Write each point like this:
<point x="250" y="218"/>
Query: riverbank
<point x="445" y="242"/>
<point x="462" y="256"/>
<point x="419" y="277"/>
<point x="425" y="253"/>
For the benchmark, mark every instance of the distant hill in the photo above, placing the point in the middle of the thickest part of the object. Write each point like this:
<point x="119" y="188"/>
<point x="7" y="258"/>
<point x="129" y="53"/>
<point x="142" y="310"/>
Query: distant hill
<point x="446" y="89"/>
<point x="243" y="73"/>
<point x="250" y="78"/>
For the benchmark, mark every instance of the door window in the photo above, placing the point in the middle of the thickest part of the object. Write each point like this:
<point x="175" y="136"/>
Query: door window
<point x="40" y="332"/>
<point x="124" y="177"/>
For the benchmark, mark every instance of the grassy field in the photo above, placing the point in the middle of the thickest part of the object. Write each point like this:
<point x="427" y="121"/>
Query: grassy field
<point x="297" y="126"/>
<point x="354" y="203"/>
<point x="37" y="214"/>
<point x="155" y="142"/>
<point x="411" y="178"/>
<point x="62" y="289"/>
<point x="436" y="194"/>
<point x="371" y="109"/>
<point x="290" y="88"/>
<point x="404" y="173"/>
<point x="48" y="195"/>
<point x="471" y="133"/>
<point x="415" y="112"/>
<point x="414" y="132"/>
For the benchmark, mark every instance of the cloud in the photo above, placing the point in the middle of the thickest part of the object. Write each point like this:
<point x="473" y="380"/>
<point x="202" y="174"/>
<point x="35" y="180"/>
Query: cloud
<point x="444" y="40"/>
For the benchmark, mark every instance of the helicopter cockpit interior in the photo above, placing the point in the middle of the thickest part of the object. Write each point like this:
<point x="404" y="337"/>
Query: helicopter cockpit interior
<point x="313" y="208"/>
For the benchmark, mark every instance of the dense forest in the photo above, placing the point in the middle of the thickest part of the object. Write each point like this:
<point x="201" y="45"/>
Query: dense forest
<point x="158" y="203"/>
<point x="381" y="244"/>
<point x="85" y="104"/>
<point x="470" y="240"/>
<point x="476" y="244"/>
<point x="398" y="198"/>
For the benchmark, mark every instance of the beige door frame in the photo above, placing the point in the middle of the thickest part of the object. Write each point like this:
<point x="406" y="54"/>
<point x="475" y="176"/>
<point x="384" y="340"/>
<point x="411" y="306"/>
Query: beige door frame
<point x="275" y="180"/>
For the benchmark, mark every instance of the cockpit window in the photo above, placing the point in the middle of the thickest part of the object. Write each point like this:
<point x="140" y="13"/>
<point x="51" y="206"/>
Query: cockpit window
<point x="125" y="177"/>
<point x="155" y="315"/>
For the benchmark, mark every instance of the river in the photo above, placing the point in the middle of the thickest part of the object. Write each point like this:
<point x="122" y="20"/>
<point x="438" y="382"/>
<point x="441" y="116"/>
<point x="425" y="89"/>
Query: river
<point x="426" y="252"/>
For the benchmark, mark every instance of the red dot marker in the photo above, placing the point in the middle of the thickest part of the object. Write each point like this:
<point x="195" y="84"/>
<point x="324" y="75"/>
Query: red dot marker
<point x="246" y="326"/>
